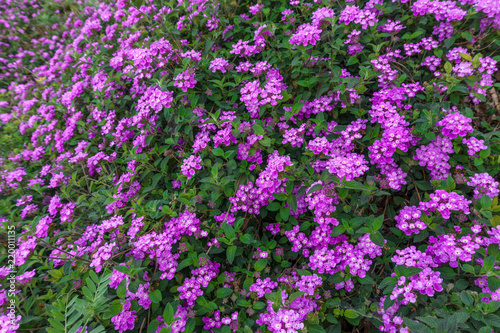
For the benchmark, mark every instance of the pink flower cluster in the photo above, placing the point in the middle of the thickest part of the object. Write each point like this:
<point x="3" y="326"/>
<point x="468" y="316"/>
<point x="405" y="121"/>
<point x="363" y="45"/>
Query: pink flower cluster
<point x="455" y="124"/>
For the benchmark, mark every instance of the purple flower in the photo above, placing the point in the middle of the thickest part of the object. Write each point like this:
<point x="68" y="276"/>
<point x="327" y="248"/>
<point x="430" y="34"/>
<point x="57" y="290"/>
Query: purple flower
<point x="189" y="166"/>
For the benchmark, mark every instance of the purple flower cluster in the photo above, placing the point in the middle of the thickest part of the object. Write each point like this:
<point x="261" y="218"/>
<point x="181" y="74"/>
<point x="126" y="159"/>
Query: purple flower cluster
<point x="435" y="157"/>
<point x="249" y="198"/>
<point x="125" y="320"/>
<point x="445" y="202"/>
<point x="474" y="145"/>
<point x="288" y="318"/>
<point x="261" y="287"/>
<point x="218" y="64"/>
<point x="309" y="284"/>
<point x="455" y="124"/>
<point x="191" y="288"/>
<point x="217" y="321"/>
<point x="354" y="14"/>
<point x="484" y="184"/>
<point x="307" y="34"/>
<point x="329" y="261"/>
<point x="189" y="166"/>
<point x="185" y="80"/>
<point x="253" y="96"/>
<point x="408" y="220"/>
<point x="322" y="203"/>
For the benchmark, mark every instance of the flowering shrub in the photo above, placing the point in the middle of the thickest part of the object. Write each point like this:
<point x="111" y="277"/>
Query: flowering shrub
<point x="270" y="166"/>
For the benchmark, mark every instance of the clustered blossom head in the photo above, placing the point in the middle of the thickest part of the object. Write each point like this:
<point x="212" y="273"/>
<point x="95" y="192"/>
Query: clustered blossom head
<point x="218" y="64"/>
<point x="308" y="284"/>
<point x="484" y="184"/>
<point x="185" y="80"/>
<point x="455" y="124"/>
<point x="254" y="96"/>
<point x="322" y="202"/>
<point x="250" y="198"/>
<point x="217" y="321"/>
<point x="261" y="287"/>
<point x="427" y="282"/>
<point x="445" y="202"/>
<point x="359" y="16"/>
<point x="435" y="157"/>
<point x="288" y="318"/>
<point x="408" y="220"/>
<point x="474" y="145"/>
<point x="255" y="9"/>
<point x="189" y="166"/>
<point x="125" y="320"/>
<point x="191" y="288"/>
<point x="307" y="34"/>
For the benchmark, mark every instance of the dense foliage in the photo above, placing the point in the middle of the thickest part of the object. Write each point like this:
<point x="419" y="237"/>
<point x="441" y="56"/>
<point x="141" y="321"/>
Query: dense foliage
<point x="180" y="166"/>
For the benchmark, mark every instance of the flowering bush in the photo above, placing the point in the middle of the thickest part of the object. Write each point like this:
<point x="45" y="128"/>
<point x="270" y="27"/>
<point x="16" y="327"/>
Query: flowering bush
<point x="270" y="166"/>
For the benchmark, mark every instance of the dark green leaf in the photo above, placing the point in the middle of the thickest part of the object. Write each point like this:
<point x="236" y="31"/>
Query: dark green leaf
<point x="230" y="253"/>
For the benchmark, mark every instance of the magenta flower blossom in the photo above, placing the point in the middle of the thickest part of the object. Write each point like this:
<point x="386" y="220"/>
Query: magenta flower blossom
<point x="185" y="80"/>
<point x="218" y="64"/>
<point x="307" y="34"/>
<point x="455" y="124"/>
<point x="189" y="166"/>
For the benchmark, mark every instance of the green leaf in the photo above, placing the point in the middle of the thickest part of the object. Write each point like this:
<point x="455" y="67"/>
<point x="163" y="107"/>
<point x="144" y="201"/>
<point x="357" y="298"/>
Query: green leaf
<point x="350" y="314"/>
<point x="247" y="239"/>
<point x="184" y="263"/>
<point x="377" y="238"/>
<point x="168" y="314"/>
<point x="415" y="326"/>
<point x="266" y="142"/>
<point x="448" y="67"/>
<point x="138" y="3"/>
<point x="121" y="291"/>
<point x="485" y="202"/>
<point x="377" y="224"/>
<point x="424" y="185"/>
<point x="488" y="263"/>
<point x="430" y="136"/>
<point x="190" y="326"/>
<point x="292" y="202"/>
<point x="229" y="232"/>
<point x="493" y="283"/>
<point x="258" y="129"/>
<point x="351" y="184"/>
<point x="218" y="151"/>
<point x="224" y="292"/>
<point x="315" y="329"/>
<point x="260" y="265"/>
<point x="155" y="296"/>
<point x="492" y="320"/>
<point x="153" y="326"/>
<point x="430" y="321"/>
<point x="285" y="213"/>
<point x="466" y="298"/>
<point x="315" y="188"/>
<point x="259" y="305"/>
<point x="447" y="273"/>
<point x="407" y="271"/>
<point x="280" y="196"/>
<point x="67" y="268"/>
<point x="303" y="272"/>
<point x="230" y="253"/>
<point x="449" y="42"/>
<point x="352" y="60"/>
<point x="296" y="295"/>
<point x="467" y="35"/>
<point x="366" y="280"/>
